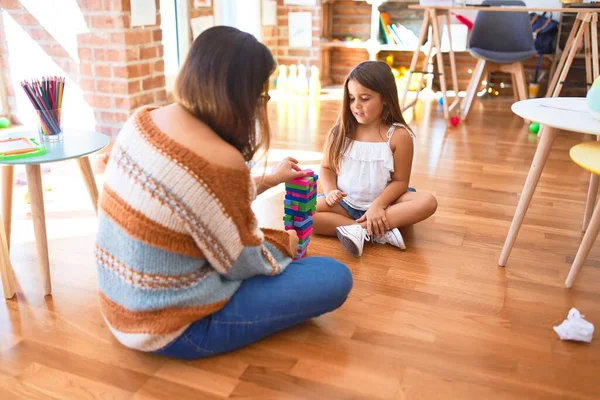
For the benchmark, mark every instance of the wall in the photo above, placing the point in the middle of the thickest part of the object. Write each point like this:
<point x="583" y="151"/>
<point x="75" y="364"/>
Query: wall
<point x="110" y="67"/>
<point x="282" y="51"/>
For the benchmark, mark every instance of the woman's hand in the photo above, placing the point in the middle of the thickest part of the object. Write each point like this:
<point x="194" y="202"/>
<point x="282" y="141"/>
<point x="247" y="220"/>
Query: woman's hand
<point x="287" y="169"/>
<point x="333" y="197"/>
<point x="376" y="221"/>
<point x="293" y="241"/>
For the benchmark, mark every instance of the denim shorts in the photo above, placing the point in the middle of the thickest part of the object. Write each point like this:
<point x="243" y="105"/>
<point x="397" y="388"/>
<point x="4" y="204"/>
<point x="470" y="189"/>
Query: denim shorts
<point x="353" y="212"/>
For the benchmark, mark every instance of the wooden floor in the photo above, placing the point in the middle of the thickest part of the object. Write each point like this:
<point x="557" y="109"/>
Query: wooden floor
<point x="438" y="321"/>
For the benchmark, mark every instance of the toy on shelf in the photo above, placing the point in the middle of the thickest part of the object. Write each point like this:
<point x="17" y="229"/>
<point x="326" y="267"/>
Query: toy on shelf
<point x="300" y="205"/>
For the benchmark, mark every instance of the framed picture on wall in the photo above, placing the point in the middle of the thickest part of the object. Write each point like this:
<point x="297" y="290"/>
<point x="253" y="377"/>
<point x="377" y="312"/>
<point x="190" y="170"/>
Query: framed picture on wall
<point x="300" y="29"/>
<point x="300" y="2"/>
<point x="202" y="3"/>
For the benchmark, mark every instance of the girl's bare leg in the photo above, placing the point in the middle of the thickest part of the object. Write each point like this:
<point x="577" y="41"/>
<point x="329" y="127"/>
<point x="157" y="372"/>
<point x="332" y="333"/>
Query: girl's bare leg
<point x="327" y="218"/>
<point x="410" y="208"/>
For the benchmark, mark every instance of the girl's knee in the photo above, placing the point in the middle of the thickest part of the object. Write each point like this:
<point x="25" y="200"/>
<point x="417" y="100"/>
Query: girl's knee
<point x="429" y="204"/>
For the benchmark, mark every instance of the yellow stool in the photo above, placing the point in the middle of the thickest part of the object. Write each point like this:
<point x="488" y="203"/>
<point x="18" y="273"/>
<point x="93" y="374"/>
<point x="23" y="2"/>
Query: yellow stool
<point x="587" y="156"/>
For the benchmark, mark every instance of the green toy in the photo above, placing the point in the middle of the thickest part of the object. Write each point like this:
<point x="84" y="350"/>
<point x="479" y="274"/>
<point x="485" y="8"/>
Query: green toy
<point x="4" y="122"/>
<point x="534" y="128"/>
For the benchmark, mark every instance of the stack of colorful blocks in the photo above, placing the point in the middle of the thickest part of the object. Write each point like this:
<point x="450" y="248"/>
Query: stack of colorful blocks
<point x="299" y="206"/>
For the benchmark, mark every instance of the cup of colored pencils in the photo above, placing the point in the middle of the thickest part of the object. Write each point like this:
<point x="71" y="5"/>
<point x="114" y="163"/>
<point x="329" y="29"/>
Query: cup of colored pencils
<point x="46" y="96"/>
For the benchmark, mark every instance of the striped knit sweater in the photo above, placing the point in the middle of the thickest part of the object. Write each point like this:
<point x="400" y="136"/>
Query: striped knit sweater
<point x="176" y="237"/>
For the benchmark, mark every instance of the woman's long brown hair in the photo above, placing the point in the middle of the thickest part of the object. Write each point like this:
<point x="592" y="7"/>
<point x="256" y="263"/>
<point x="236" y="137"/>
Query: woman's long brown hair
<point x="378" y="77"/>
<point x="224" y="83"/>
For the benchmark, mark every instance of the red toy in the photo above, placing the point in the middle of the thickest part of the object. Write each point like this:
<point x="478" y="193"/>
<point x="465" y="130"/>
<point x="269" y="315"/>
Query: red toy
<point x="454" y="120"/>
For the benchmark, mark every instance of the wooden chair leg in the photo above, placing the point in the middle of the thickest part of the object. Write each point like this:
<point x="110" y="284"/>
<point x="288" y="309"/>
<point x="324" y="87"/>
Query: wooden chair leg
<point x="584" y="248"/>
<point x="472" y="88"/>
<point x="519" y="74"/>
<point x="535" y="171"/>
<point x="6" y="271"/>
<point x="591" y="198"/>
<point x="8" y="172"/>
<point x="519" y="77"/>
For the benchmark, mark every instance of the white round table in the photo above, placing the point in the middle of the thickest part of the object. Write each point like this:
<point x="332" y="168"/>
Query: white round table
<point x="77" y="144"/>
<point x="566" y="113"/>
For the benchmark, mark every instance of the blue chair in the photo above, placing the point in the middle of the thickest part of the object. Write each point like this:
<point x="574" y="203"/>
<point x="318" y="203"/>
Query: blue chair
<point x="500" y="41"/>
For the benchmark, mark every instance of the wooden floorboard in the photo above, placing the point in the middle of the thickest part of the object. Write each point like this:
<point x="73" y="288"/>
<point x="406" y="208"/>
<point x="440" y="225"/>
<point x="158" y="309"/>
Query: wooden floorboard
<point x="438" y="321"/>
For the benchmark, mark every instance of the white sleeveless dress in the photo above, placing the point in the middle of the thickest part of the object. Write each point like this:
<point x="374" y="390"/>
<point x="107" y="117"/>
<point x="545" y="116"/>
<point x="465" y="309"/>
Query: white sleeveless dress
<point x="365" y="170"/>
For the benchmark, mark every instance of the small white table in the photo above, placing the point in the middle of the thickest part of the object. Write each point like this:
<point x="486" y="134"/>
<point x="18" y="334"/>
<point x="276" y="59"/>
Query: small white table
<point x="569" y="114"/>
<point x="77" y="144"/>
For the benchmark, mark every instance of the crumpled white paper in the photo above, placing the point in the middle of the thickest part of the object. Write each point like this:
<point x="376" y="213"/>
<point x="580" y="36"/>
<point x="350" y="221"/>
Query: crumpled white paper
<point x="575" y="327"/>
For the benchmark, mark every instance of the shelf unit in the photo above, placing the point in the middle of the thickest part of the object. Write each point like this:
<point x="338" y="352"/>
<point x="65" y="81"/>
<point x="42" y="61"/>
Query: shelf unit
<point x="360" y="19"/>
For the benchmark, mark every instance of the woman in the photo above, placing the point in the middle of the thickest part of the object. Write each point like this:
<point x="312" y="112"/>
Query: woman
<point x="183" y="269"/>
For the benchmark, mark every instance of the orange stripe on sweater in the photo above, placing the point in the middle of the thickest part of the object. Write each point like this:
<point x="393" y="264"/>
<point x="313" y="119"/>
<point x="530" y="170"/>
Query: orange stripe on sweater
<point x="154" y="322"/>
<point x="142" y="228"/>
<point x="229" y="186"/>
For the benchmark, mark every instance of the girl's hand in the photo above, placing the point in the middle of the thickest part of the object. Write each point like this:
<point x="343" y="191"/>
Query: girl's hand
<point x="334" y="197"/>
<point x="376" y="221"/>
<point x="293" y="240"/>
<point x="287" y="169"/>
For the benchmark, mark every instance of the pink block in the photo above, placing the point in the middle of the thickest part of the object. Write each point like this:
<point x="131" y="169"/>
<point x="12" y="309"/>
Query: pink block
<point x="304" y="196"/>
<point x="300" y="181"/>
<point x="305" y="233"/>
<point x="309" y="172"/>
<point x="289" y="228"/>
<point x="299" y="219"/>
<point x="293" y="207"/>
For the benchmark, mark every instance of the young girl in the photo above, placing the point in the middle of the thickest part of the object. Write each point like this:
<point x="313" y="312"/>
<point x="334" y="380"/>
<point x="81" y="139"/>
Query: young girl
<point x="366" y="167"/>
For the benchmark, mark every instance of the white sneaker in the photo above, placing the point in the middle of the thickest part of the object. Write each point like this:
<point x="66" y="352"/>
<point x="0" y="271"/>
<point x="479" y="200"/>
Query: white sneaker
<point x="352" y="238"/>
<point x="393" y="237"/>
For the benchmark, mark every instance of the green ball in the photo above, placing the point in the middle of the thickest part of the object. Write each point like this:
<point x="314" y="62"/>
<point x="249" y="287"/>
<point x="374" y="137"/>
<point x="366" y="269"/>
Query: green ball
<point x="534" y="127"/>
<point x="4" y="122"/>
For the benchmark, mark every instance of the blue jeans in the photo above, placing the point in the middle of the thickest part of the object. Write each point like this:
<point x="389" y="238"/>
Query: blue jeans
<point x="264" y="305"/>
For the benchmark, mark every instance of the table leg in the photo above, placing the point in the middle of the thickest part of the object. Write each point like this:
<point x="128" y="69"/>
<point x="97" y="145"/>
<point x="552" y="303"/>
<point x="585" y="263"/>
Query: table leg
<point x="6" y="271"/>
<point x="563" y="58"/>
<point x="572" y="51"/>
<point x="38" y="215"/>
<point x="90" y="182"/>
<point x="535" y="171"/>
<point x="415" y="57"/>
<point x="8" y="172"/>
<point x="588" y="60"/>
<point x="594" y="34"/>
<point x="591" y="72"/>
<point x="440" y="62"/>
<point x="452" y="66"/>
<point x="584" y="248"/>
